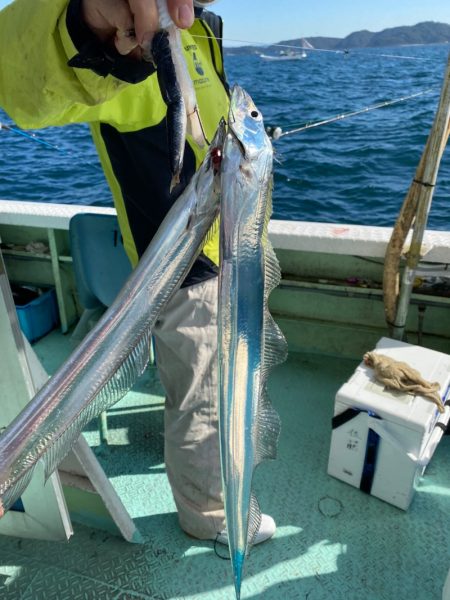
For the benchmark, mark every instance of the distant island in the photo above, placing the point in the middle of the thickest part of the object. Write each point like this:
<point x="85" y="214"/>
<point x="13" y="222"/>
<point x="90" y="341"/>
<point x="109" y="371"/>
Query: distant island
<point x="428" y="32"/>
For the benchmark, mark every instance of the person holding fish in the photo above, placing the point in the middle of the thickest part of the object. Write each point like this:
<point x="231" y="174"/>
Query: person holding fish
<point x="148" y="77"/>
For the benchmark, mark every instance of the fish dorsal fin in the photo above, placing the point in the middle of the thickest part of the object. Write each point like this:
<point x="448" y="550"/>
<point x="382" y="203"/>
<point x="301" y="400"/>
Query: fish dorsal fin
<point x="52" y="445"/>
<point x="115" y="388"/>
<point x="267" y="430"/>
<point x="274" y="352"/>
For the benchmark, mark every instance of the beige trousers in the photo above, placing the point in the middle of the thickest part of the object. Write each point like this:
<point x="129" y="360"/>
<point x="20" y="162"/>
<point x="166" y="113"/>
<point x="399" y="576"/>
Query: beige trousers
<point x="186" y="355"/>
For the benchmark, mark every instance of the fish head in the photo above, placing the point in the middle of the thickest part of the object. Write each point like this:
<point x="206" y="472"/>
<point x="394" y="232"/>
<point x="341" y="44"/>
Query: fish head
<point x="246" y="125"/>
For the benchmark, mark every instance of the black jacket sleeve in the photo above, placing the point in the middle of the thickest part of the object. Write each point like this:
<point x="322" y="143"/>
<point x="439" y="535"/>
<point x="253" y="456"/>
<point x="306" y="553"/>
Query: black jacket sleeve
<point x="101" y="58"/>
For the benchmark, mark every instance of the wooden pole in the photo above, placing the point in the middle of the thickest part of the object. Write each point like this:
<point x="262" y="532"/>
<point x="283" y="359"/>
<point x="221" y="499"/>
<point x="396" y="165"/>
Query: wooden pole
<point x="415" y="208"/>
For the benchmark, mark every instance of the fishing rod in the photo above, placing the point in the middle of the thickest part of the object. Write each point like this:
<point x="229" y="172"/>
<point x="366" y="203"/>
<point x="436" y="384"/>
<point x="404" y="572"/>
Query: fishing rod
<point x="31" y="136"/>
<point x="276" y="132"/>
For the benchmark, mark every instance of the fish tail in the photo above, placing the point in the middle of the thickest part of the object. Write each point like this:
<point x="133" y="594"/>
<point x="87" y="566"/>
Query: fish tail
<point x="238" y="553"/>
<point x="173" y="98"/>
<point x="238" y="558"/>
<point x="174" y="181"/>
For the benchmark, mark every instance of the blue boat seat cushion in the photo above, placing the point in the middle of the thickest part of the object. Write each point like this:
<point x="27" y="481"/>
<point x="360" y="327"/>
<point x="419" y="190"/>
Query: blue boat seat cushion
<point x="100" y="263"/>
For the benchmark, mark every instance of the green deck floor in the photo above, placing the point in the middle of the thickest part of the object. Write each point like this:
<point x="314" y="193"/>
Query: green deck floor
<point x="333" y="542"/>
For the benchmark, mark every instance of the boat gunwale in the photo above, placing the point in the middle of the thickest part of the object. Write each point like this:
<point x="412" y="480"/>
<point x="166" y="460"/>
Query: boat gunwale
<point x="305" y="236"/>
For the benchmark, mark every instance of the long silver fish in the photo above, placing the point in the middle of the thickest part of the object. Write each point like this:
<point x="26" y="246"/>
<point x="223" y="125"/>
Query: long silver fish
<point x="116" y="351"/>
<point x="250" y="343"/>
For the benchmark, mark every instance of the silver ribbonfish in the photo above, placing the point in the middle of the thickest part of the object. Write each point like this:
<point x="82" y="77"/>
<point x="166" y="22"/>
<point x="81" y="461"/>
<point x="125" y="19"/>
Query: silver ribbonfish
<point x="113" y="355"/>
<point x="250" y="343"/>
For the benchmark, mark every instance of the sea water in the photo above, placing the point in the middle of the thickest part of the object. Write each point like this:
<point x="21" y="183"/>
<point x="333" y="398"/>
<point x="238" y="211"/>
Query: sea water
<point x="355" y="170"/>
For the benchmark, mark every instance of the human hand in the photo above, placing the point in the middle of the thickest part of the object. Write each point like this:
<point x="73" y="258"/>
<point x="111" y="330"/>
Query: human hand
<point x="131" y="24"/>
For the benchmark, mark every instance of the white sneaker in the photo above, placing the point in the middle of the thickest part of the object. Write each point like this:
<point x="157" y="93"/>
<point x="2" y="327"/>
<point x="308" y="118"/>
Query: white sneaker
<point x="266" y="530"/>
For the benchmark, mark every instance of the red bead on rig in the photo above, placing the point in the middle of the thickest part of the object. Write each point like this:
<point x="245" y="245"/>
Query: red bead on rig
<point x="216" y="158"/>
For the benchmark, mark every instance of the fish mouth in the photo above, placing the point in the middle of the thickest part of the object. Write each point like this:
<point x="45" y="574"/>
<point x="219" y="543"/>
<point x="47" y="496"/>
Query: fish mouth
<point x="233" y="133"/>
<point x="238" y="105"/>
<point x="239" y="96"/>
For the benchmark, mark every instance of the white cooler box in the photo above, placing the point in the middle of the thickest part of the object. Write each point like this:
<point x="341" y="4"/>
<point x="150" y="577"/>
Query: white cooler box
<point x="382" y="440"/>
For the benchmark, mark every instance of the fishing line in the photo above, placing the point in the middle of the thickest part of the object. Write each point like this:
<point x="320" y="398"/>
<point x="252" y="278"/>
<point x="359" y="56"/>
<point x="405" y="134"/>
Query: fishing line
<point x="404" y="56"/>
<point x="346" y="52"/>
<point x="266" y="45"/>
<point x="277" y="133"/>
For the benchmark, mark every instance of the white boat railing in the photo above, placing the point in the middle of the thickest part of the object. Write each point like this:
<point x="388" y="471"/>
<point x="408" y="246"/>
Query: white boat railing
<point x="300" y="236"/>
<point x="334" y="238"/>
<point x="50" y="218"/>
<point x="44" y="214"/>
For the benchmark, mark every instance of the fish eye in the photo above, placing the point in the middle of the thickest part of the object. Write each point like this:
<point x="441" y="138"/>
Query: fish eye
<point x="254" y="114"/>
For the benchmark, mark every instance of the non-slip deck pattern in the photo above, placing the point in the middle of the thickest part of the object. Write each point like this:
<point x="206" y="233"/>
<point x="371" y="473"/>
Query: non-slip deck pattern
<point x="333" y="542"/>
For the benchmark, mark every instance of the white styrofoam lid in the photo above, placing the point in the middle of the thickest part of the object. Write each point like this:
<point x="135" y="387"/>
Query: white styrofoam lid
<point x="415" y="412"/>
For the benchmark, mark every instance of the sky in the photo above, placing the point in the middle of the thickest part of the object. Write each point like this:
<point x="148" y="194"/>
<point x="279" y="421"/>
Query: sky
<point x="269" y="21"/>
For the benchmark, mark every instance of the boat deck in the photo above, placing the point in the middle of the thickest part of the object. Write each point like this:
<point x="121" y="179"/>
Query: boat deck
<point x="332" y="542"/>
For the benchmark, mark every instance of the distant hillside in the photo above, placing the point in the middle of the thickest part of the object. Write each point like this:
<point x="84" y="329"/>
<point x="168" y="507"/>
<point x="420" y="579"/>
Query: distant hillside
<point x="428" y="32"/>
<point x="422" y="33"/>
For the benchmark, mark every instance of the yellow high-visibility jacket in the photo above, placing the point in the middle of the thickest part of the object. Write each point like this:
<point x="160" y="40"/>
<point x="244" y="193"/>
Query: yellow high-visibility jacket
<point x="53" y="71"/>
